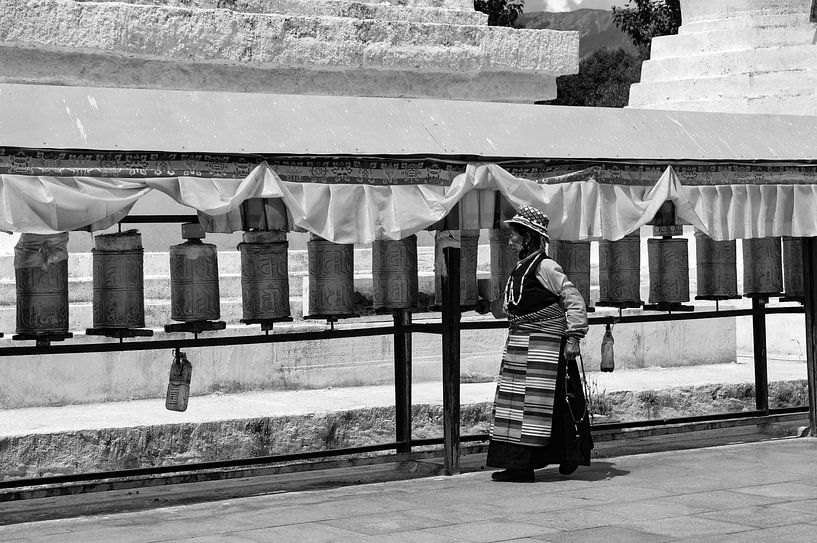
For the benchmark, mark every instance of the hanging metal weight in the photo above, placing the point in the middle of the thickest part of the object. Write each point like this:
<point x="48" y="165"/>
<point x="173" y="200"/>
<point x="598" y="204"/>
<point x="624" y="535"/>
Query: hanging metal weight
<point x="503" y="260"/>
<point x="669" y="272"/>
<point x="331" y="279"/>
<point x="620" y="272"/>
<point x="264" y="277"/>
<point x="716" y="268"/>
<point x="469" y="251"/>
<point x="41" y="275"/>
<point x="793" y="278"/>
<point x="762" y="267"/>
<point x="118" y="278"/>
<point x="574" y="259"/>
<point x="394" y="273"/>
<point x="194" y="293"/>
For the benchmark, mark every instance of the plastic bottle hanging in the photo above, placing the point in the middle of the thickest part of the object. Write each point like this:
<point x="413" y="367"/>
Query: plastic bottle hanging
<point x="178" y="387"/>
<point x="607" y="359"/>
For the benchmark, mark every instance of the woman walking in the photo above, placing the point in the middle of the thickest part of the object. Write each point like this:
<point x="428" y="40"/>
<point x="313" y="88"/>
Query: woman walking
<point x="539" y="414"/>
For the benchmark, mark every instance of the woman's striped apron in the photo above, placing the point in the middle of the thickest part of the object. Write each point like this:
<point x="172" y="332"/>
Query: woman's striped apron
<point x="523" y="407"/>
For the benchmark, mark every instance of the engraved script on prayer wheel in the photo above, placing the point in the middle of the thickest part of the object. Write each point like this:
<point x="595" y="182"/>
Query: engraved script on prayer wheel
<point x="503" y="260"/>
<point x="574" y="259"/>
<point x="669" y="271"/>
<point x="41" y="274"/>
<point x="793" y="278"/>
<point x="264" y="276"/>
<point x="194" y="294"/>
<point x="762" y="267"/>
<point x="619" y="272"/>
<point x="331" y="278"/>
<point x="469" y="288"/>
<point x="394" y="273"/>
<point x="119" y="300"/>
<point x="716" y="268"/>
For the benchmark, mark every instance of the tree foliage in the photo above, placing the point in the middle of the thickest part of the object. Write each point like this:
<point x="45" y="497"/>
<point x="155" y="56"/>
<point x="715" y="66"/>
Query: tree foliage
<point x="648" y="19"/>
<point x="603" y="80"/>
<point x="500" y="12"/>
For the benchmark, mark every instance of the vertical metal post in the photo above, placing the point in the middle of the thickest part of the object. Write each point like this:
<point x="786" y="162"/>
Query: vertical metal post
<point x="451" y="360"/>
<point x="402" y="380"/>
<point x="810" y="304"/>
<point x="759" y="343"/>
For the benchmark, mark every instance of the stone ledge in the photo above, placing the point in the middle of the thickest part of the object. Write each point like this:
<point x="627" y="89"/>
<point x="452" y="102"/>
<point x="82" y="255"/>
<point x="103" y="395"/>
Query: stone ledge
<point x="286" y="41"/>
<point x="418" y="12"/>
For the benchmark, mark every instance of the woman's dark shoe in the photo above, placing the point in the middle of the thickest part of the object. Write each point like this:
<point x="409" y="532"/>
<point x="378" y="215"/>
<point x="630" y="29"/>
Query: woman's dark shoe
<point x="514" y="475"/>
<point x="567" y="469"/>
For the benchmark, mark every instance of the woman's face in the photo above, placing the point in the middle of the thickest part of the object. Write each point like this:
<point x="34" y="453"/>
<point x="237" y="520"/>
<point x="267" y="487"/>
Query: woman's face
<point x="516" y="240"/>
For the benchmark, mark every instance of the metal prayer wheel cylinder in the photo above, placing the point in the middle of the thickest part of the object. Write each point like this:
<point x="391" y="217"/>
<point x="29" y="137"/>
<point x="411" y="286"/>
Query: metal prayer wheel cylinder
<point x="119" y="287"/>
<point x="574" y="258"/>
<point x="469" y="288"/>
<point x="394" y="273"/>
<point x="264" y="276"/>
<point x="716" y="268"/>
<point x="42" y="284"/>
<point x="762" y="267"/>
<point x="793" y="273"/>
<point x="620" y="272"/>
<point x="503" y="260"/>
<point x="194" y="294"/>
<point x="331" y="278"/>
<point x="669" y="270"/>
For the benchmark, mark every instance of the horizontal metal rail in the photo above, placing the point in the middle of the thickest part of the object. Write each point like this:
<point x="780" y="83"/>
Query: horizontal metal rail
<point x="219" y="341"/>
<point x="199" y="466"/>
<point x="371" y="329"/>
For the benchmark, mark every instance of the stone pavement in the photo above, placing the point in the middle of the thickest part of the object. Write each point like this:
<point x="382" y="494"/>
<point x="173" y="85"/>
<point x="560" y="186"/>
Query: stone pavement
<point x="744" y="493"/>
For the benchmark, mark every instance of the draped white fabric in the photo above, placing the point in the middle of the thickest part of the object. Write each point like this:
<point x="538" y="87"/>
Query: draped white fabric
<point x="360" y="213"/>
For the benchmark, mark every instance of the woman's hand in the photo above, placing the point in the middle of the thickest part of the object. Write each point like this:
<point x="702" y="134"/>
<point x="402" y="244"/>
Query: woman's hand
<point x="572" y="348"/>
<point x="498" y="308"/>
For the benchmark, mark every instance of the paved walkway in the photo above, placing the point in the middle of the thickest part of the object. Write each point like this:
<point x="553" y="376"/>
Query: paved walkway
<point x="756" y="492"/>
<point x="41" y="420"/>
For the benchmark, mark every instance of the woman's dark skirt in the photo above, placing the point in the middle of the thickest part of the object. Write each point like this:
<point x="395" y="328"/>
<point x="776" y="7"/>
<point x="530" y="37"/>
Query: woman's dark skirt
<point x="570" y="440"/>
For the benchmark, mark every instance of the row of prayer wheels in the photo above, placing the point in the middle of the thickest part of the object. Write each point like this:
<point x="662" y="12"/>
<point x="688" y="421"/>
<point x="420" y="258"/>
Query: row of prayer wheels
<point x="118" y="291"/>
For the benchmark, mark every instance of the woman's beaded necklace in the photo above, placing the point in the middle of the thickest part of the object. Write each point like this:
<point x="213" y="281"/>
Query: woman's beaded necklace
<point x="509" y="298"/>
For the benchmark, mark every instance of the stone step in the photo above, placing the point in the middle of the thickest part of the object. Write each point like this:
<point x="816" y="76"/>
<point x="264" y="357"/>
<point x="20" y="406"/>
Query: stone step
<point x="733" y="39"/>
<point x="745" y="20"/>
<point x="799" y="58"/>
<point x="460" y="13"/>
<point x="737" y="87"/>
<point x="780" y="103"/>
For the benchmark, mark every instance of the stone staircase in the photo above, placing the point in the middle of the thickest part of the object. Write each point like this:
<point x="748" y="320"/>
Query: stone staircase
<point x="742" y="56"/>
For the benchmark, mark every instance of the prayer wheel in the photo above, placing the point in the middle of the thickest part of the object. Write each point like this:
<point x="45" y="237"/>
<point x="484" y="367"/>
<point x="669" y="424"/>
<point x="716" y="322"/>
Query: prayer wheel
<point x="793" y="273"/>
<point x="669" y="270"/>
<point x="119" y="288"/>
<point x="394" y="273"/>
<point x="331" y="278"/>
<point x="574" y="258"/>
<point x="194" y="294"/>
<point x="762" y="267"/>
<point x="469" y="288"/>
<point x="503" y="260"/>
<point x="264" y="276"/>
<point x="41" y="274"/>
<point x="619" y="272"/>
<point x="716" y="268"/>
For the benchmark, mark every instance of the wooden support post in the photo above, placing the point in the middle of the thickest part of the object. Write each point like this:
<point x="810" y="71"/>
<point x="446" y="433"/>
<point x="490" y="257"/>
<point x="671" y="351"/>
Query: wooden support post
<point x="810" y="304"/>
<point x="402" y="380"/>
<point x="451" y="360"/>
<point x="759" y="343"/>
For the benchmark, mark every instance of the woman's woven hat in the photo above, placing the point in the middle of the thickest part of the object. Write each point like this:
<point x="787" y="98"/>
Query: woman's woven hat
<point x="532" y="218"/>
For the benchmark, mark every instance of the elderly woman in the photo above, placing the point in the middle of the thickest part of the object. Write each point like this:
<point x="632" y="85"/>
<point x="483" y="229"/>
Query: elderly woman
<point x="540" y="415"/>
